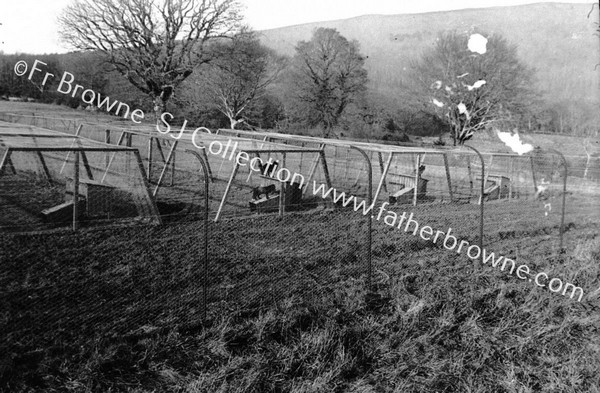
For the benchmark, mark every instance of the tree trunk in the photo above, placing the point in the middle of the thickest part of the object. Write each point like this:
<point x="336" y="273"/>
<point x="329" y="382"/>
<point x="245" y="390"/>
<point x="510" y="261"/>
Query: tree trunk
<point x="160" y="107"/>
<point x="587" y="165"/>
<point x="234" y="123"/>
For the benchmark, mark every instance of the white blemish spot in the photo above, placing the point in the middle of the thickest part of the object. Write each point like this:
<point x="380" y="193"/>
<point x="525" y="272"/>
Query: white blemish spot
<point x="437" y="103"/>
<point x="476" y="85"/>
<point x="462" y="109"/>
<point x="436" y="85"/>
<point x="514" y="142"/>
<point x="477" y="43"/>
<point x="463" y="75"/>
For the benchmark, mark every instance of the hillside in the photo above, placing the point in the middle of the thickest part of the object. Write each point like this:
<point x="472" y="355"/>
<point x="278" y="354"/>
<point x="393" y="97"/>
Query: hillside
<point x="558" y="39"/>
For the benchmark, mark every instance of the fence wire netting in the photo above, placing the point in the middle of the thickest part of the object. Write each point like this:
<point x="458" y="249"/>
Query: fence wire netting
<point x="99" y="285"/>
<point x="265" y="241"/>
<point x="528" y="195"/>
<point x="39" y="171"/>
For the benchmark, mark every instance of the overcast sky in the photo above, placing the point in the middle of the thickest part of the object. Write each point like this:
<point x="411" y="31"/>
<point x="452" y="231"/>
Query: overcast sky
<point x="30" y="25"/>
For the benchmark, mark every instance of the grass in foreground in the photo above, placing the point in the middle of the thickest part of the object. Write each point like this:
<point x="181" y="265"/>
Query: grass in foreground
<point x="438" y="327"/>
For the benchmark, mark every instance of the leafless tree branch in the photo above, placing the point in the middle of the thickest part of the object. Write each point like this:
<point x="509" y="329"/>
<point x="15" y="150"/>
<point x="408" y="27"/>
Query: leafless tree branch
<point x="155" y="44"/>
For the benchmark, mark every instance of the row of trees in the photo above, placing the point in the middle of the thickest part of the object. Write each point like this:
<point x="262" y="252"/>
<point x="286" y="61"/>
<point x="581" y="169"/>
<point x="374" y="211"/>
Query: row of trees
<point x="194" y="58"/>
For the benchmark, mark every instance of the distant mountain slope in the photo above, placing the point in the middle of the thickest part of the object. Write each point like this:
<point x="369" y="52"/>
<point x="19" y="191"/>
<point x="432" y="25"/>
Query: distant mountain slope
<point x="558" y="39"/>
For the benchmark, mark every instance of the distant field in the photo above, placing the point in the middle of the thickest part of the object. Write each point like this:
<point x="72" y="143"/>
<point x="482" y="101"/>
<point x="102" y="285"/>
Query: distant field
<point x="572" y="147"/>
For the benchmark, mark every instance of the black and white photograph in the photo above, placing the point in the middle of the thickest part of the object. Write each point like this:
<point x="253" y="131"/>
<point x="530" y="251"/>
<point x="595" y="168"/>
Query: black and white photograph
<point x="303" y="196"/>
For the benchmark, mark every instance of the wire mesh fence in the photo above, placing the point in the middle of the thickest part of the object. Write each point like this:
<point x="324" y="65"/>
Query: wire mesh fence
<point x="73" y="290"/>
<point x="65" y="293"/>
<point x="534" y="186"/>
<point x="263" y="260"/>
<point x="247" y="222"/>
<point x="41" y="169"/>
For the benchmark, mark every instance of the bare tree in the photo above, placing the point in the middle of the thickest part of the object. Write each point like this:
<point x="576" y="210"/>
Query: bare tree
<point x="155" y="44"/>
<point x="592" y="150"/>
<point x="239" y="75"/>
<point x="471" y="90"/>
<point x="327" y="76"/>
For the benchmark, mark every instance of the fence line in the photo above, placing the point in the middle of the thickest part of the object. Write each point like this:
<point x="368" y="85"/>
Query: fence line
<point x="244" y="259"/>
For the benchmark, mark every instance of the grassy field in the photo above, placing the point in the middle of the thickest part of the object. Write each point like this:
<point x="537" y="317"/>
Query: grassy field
<point x="287" y="310"/>
<point x="67" y="119"/>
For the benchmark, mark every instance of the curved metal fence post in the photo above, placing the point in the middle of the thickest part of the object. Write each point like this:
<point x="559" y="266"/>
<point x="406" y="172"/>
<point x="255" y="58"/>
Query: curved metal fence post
<point x="564" y="195"/>
<point x="206" y="178"/>
<point x="73" y="142"/>
<point x="369" y="218"/>
<point x="481" y="198"/>
<point x="76" y="191"/>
